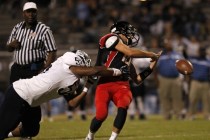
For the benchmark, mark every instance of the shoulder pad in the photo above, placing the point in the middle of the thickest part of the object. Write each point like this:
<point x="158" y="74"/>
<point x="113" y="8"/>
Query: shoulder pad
<point x="111" y="42"/>
<point x="104" y="38"/>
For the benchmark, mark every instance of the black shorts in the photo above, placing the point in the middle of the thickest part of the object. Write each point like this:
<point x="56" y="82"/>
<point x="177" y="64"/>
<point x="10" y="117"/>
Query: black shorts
<point x="25" y="71"/>
<point x="14" y="110"/>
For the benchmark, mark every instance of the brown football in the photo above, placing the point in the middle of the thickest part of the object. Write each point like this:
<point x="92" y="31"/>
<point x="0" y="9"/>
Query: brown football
<point x="184" y="66"/>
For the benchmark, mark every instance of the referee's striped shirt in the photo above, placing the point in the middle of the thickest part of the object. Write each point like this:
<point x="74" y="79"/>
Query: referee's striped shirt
<point x="35" y="42"/>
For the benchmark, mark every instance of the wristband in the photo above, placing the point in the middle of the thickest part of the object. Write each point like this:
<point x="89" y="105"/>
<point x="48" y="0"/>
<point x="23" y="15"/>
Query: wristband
<point x="85" y="89"/>
<point x="145" y="73"/>
<point x="116" y="72"/>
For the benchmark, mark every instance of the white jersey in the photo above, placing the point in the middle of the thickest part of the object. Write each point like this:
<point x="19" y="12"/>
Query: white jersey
<point x="55" y="81"/>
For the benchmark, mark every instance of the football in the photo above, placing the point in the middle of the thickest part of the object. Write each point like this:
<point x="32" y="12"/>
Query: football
<point x="184" y="67"/>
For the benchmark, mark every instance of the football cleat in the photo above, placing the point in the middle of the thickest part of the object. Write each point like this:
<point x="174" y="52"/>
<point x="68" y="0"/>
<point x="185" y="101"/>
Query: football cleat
<point x="88" y="138"/>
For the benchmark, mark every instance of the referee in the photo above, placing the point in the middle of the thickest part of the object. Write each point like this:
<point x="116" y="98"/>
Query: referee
<point x="34" y="49"/>
<point x="32" y="43"/>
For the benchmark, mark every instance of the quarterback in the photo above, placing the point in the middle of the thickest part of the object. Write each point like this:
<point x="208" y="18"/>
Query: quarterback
<point x="60" y="79"/>
<point x="116" y="50"/>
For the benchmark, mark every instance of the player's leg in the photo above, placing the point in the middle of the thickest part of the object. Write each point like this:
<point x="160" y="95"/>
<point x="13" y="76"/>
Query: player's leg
<point x="10" y="112"/>
<point x="69" y="112"/>
<point x="141" y="92"/>
<point x="46" y="111"/>
<point x="133" y="105"/>
<point x="122" y="98"/>
<point x="82" y="110"/>
<point x="101" y="103"/>
<point x="30" y="122"/>
<point x="132" y="109"/>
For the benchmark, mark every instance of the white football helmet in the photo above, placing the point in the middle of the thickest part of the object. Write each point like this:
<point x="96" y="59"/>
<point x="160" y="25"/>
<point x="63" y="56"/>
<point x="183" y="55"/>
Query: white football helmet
<point x="84" y="56"/>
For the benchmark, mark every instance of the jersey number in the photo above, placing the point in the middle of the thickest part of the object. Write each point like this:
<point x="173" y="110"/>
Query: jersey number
<point x="78" y="61"/>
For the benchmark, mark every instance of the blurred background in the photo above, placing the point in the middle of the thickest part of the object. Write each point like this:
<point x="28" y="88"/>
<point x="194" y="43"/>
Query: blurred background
<point x="81" y="23"/>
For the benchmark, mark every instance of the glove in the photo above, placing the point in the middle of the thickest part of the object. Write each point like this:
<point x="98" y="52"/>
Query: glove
<point x="92" y="79"/>
<point x="125" y="70"/>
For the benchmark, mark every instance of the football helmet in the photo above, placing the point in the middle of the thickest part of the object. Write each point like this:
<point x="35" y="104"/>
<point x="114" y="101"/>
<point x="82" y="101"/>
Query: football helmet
<point x="125" y="28"/>
<point x="84" y="56"/>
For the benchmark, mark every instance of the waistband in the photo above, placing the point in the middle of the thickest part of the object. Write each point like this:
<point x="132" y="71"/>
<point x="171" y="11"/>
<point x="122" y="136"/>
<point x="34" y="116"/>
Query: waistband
<point x="108" y="79"/>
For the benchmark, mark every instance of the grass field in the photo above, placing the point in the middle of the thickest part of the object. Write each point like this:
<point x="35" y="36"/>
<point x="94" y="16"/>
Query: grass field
<point x="154" y="128"/>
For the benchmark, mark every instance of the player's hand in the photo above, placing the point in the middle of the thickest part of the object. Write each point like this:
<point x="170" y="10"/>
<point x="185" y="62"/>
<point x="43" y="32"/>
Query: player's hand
<point x="155" y="56"/>
<point x="153" y="63"/>
<point x="125" y="70"/>
<point x="15" y="44"/>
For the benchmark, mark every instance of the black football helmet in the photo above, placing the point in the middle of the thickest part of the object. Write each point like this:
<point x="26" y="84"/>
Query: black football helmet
<point x="125" y="28"/>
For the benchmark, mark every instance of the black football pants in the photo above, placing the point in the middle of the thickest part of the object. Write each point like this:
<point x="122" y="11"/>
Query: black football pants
<point x="14" y="110"/>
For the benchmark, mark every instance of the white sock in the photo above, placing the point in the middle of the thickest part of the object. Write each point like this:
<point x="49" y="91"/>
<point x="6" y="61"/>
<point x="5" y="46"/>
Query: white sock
<point x="90" y="135"/>
<point x="113" y="136"/>
<point x="10" y="135"/>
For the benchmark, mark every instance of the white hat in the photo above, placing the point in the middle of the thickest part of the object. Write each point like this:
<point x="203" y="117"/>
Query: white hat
<point x="29" y="5"/>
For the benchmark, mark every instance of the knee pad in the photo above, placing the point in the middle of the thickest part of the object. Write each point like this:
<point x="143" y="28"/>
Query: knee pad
<point x="95" y="125"/>
<point x="120" y="118"/>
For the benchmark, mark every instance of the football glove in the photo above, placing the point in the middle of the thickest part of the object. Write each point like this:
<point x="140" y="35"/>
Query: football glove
<point x="125" y="70"/>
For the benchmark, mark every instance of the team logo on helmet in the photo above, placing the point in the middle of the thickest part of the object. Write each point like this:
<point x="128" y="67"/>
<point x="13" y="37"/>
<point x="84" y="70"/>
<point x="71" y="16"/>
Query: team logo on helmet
<point x="84" y="57"/>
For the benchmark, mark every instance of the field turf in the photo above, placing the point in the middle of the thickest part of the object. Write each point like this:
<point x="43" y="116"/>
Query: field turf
<point x="154" y="128"/>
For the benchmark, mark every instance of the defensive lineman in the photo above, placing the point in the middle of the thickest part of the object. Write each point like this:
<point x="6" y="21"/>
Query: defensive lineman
<point x="60" y="79"/>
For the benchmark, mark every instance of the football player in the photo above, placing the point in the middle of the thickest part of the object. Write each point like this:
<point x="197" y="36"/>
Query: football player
<point x="60" y="79"/>
<point x="116" y="49"/>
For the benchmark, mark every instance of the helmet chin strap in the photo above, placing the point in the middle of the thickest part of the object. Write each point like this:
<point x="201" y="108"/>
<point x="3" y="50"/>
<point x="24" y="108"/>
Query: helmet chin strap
<point x="129" y="41"/>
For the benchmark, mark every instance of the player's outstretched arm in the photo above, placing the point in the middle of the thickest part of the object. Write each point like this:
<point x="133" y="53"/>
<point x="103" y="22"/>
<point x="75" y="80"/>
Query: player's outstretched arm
<point x="139" y="78"/>
<point x="77" y="100"/>
<point x="96" y="70"/>
<point x="90" y="71"/>
<point x="135" y="53"/>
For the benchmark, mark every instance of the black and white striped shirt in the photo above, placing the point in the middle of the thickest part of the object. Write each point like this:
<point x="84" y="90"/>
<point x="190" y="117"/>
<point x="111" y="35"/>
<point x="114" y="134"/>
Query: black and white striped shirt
<point x="35" y="42"/>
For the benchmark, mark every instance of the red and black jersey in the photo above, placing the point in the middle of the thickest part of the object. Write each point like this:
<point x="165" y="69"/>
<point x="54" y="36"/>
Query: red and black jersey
<point x="109" y="56"/>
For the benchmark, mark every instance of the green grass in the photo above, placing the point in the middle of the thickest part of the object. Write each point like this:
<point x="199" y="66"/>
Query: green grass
<point x="154" y="128"/>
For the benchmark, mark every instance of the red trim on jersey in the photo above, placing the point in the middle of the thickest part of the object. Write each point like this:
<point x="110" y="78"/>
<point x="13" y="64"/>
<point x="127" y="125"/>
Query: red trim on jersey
<point x="103" y="40"/>
<point x="110" y="58"/>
